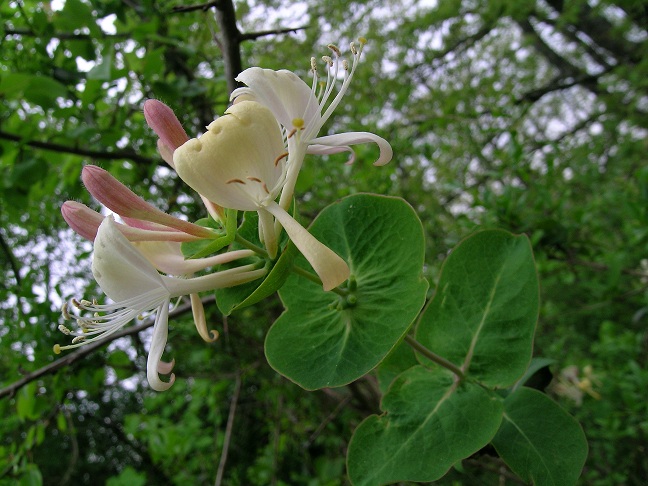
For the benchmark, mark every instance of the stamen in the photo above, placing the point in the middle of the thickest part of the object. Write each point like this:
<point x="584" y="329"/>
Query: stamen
<point x="64" y="330"/>
<point x="255" y="179"/>
<point x="291" y="133"/>
<point x="345" y="65"/>
<point x="353" y="48"/>
<point x="313" y="63"/>
<point x="335" y="49"/>
<point x="78" y="339"/>
<point x="328" y="60"/>
<point x="278" y="159"/>
<point x="238" y="181"/>
<point x="65" y="311"/>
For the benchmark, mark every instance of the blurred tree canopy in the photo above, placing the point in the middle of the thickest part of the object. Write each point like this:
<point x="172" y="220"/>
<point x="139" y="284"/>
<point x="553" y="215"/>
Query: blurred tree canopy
<point x="527" y="116"/>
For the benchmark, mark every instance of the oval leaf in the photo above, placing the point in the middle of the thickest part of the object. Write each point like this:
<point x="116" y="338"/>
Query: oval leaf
<point x="323" y="339"/>
<point x="539" y="441"/>
<point x="483" y="315"/>
<point x="431" y="423"/>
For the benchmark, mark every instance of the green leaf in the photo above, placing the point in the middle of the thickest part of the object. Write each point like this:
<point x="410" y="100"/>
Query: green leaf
<point x="102" y="70"/>
<point x="324" y="339"/>
<point x="539" y="441"/>
<point x="37" y="89"/>
<point x="483" y="315"/>
<point x="31" y="477"/>
<point x="431" y="422"/>
<point x="26" y="402"/>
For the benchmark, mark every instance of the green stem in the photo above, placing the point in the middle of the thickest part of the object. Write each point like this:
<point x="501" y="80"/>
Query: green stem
<point x="251" y="246"/>
<point x="314" y="278"/>
<point x="434" y="357"/>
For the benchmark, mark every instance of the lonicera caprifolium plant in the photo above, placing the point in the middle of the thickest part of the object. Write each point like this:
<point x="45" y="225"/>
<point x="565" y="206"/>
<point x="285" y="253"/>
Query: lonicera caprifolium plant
<point x="453" y="371"/>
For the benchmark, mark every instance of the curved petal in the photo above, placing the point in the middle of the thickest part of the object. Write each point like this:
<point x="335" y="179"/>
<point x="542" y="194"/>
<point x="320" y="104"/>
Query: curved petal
<point x="332" y="149"/>
<point x="154" y="361"/>
<point x="283" y="92"/>
<point x="332" y="270"/>
<point x="120" y="270"/>
<point x="354" y="138"/>
<point x="198" y="311"/>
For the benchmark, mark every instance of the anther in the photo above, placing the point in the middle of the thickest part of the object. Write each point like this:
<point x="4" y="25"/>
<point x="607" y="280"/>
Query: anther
<point x="291" y="132"/>
<point x="78" y="339"/>
<point x="76" y="303"/>
<point x="238" y="181"/>
<point x="353" y="48"/>
<point x="255" y="179"/>
<point x="328" y="60"/>
<point x="278" y="159"/>
<point x="65" y="311"/>
<point x="64" y="330"/>
<point x="87" y="303"/>
<point x="313" y="62"/>
<point x="345" y="65"/>
<point x="335" y="49"/>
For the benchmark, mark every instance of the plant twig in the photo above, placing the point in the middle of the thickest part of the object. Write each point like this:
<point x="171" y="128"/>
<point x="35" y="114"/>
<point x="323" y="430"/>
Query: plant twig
<point x="84" y="351"/>
<point x="228" y="431"/>
<point x="434" y="357"/>
<point x="265" y="33"/>
<point x="95" y="154"/>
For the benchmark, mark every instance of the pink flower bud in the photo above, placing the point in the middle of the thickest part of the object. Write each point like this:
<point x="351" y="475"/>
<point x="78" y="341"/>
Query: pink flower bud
<point x="120" y="199"/>
<point x="165" y="124"/>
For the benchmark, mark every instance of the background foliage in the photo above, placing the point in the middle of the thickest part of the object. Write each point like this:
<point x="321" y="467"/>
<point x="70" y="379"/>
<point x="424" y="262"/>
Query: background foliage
<point x="525" y="116"/>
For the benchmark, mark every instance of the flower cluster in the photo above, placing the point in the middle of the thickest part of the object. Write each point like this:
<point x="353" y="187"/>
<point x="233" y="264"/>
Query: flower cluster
<point x="247" y="160"/>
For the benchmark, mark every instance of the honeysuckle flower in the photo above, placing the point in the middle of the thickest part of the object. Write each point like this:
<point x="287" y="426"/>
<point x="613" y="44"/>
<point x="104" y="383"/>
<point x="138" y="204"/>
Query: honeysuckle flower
<point x="129" y="279"/>
<point x="167" y="126"/>
<point x="240" y="163"/>
<point x="303" y="110"/>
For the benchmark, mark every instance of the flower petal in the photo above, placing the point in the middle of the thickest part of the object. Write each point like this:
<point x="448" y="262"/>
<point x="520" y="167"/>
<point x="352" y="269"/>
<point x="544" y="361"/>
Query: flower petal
<point x="354" y="138"/>
<point x="238" y="162"/>
<point x="198" y="311"/>
<point x="332" y="270"/>
<point x="121" y="271"/>
<point x="283" y="92"/>
<point x="154" y="362"/>
<point x="332" y="149"/>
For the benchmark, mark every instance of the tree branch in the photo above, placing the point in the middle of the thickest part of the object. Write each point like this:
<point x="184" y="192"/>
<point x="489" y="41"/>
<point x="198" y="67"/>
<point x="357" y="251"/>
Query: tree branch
<point x="84" y="351"/>
<point x="191" y="8"/>
<point x="264" y="33"/>
<point x="229" y="41"/>
<point x="65" y="35"/>
<point x="95" y="154"/>
<point x="12" y="259"/>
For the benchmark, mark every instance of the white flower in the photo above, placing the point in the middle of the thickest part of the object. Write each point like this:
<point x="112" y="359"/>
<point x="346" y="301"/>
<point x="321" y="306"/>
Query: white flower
<point x="129" y="279"/>
<point x="239" y="163"/>
<point x="303" y="110"/>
